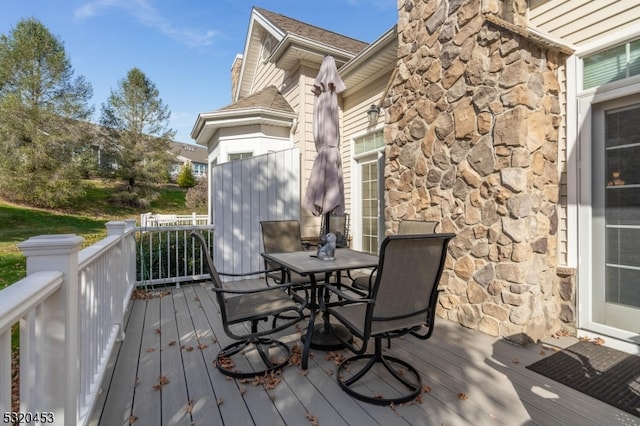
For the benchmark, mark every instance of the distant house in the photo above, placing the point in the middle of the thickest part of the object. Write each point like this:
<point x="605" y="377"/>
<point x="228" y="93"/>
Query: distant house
<point x="512" y="124"/>
<point x="186" y="153"/>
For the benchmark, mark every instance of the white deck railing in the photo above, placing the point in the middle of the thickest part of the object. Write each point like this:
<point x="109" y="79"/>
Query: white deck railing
<point x="70" y="308"/>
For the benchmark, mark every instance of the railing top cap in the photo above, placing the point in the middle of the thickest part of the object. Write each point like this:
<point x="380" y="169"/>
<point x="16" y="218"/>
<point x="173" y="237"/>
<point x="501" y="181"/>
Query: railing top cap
<point x="58" y="242"/>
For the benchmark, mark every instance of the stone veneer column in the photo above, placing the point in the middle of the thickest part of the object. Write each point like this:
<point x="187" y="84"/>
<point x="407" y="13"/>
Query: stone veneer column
<point x="471" y="131"/>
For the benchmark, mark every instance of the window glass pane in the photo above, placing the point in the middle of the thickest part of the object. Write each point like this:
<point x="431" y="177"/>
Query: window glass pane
<point x="605" y="67"/>
<point x="240" y="156"/>
<point x="622" y="212"/>
<point x="368" y="143"/>
<point x="369" y="202"/>
<point x="623" y="286"/>
<point x="634" y="60"/>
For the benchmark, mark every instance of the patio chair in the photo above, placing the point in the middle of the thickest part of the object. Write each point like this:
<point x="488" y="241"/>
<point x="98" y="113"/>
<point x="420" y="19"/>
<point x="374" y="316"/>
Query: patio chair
<point x="405" y="227"/>
<point x="241" y="305"/>
<point x="338" y="225"/>
<point x="402" y="301"/>
<point x="284" y="236"/>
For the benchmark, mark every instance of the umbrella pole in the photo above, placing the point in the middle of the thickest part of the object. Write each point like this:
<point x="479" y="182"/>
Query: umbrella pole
<point x="327" y="221"/>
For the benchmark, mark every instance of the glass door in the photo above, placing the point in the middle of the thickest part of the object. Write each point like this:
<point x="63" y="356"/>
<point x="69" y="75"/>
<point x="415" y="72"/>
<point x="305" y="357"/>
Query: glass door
<point x="369" y="203"/>
<point x="616" y="214"/>
<point x="368" y="192"/>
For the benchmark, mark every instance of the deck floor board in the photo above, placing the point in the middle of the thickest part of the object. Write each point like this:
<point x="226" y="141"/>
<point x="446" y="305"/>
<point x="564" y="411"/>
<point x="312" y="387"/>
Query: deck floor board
<point x="474" y="379"/>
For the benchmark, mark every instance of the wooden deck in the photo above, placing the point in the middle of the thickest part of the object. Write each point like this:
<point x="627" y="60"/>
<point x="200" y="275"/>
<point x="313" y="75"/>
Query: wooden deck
<point x="163" y="374"/>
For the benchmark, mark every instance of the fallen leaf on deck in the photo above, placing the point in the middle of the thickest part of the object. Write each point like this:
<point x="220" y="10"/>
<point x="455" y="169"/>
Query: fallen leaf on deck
<point x="162" y="380"/>
<point x="225" y="363"/>
<point x="132" y="419"/>
<point x="173" y="343"/>
<point x="462" y="396"/>
<point x="336" y="356"/>
<point x="598" y="341"/>
<point x="189" y="407"/>
<point x="312" y="419"/>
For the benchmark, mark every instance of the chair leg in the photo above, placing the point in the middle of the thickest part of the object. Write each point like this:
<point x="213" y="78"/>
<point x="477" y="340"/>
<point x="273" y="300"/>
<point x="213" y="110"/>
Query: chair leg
<point x="226" y="363"/>
<point x="400" y="371"/>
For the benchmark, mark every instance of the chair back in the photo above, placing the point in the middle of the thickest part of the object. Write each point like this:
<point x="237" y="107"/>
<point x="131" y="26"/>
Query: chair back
<point x="413" y="227"/>
<point x="338" y="225"/>
<point x="211" y="268"/>
<point x="281" y="236"/>
<point x="405" y="290"/>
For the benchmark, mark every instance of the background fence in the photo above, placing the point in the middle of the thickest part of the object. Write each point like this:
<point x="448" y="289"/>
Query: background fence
<point x="243" y="193"/>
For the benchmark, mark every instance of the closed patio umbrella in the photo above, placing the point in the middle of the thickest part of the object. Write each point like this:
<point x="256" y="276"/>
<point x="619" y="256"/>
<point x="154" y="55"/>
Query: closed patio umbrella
<point x="325" y="190"/>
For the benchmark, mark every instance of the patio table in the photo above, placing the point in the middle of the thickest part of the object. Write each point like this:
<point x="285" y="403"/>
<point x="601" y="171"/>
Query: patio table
<point x="308" y="264"/>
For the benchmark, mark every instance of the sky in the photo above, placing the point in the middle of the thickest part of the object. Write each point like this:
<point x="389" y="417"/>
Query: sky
<point x="186" y="48"/>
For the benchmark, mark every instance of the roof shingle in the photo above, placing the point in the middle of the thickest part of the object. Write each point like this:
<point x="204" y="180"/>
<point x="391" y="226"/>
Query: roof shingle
<point x="293" y="26"/>
<point x="269" y="97"/>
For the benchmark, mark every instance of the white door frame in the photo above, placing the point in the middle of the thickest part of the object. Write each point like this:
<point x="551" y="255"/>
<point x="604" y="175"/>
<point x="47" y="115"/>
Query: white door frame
<point x="586" y="320"/>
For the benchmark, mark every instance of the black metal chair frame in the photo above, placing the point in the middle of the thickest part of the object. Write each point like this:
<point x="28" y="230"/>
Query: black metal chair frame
<point x="271" y="301"/>
<point x="406" y="227"/>
<point x="399" y="369"/>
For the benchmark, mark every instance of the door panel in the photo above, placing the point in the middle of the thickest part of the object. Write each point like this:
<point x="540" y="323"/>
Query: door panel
<point x="616" y="214"/>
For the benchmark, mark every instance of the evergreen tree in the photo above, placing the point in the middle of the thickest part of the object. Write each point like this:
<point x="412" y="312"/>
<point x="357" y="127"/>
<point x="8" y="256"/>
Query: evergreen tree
<point x="139" y="137"/>
<point x="43" y="113"/>
<point x="185" y="179"/>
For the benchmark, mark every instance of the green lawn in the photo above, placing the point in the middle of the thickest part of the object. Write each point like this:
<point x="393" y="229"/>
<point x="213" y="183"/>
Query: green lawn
<point x="86" y="219"/>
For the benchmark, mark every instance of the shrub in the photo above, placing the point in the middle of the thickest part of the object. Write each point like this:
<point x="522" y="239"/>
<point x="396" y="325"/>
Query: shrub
<point x="185" y="179"/>
<point x="198" y="195"/>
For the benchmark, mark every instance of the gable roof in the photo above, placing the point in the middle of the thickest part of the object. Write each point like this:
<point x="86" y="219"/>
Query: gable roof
<point x="267" y="107"/>
<point x="292" y="41"/>
<point x="189" y="151"/>
<point x="267" y="98"/>
<point x="311" y="32"/>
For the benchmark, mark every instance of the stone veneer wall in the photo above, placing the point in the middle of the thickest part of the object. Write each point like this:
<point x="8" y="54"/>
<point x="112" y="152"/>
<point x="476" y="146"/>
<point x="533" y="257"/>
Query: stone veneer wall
<point x="472" y="122"/>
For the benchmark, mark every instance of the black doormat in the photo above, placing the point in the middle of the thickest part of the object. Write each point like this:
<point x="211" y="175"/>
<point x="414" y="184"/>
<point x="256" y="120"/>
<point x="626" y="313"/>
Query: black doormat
<point x="604" y="373"/>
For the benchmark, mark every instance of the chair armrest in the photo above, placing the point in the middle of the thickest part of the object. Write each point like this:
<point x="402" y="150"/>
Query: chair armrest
<point x="252" y="290"/>
<point x="244" y="274"/>
<point x="348" y="297"/>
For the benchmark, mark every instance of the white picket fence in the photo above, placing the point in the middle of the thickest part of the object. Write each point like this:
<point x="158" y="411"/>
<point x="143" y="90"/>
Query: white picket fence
<point x="150" y="219"/>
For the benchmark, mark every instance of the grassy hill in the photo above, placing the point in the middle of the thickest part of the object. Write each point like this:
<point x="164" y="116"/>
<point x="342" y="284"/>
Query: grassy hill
<point x="86" y="218"/>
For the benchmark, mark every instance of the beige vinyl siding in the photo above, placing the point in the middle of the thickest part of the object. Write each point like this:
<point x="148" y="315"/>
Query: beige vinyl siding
<point x="356" y="122"/>
<point x="583" y="21"/>
<point x="266" y="75"/>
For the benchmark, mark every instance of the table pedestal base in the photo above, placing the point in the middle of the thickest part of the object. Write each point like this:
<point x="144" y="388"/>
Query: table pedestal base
<point x="326" y="340"/>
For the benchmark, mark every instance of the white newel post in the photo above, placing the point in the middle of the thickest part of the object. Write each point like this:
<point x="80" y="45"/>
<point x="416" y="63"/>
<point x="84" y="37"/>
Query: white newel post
<point x="118" y="228"/>
<point x="54" y="350"/>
